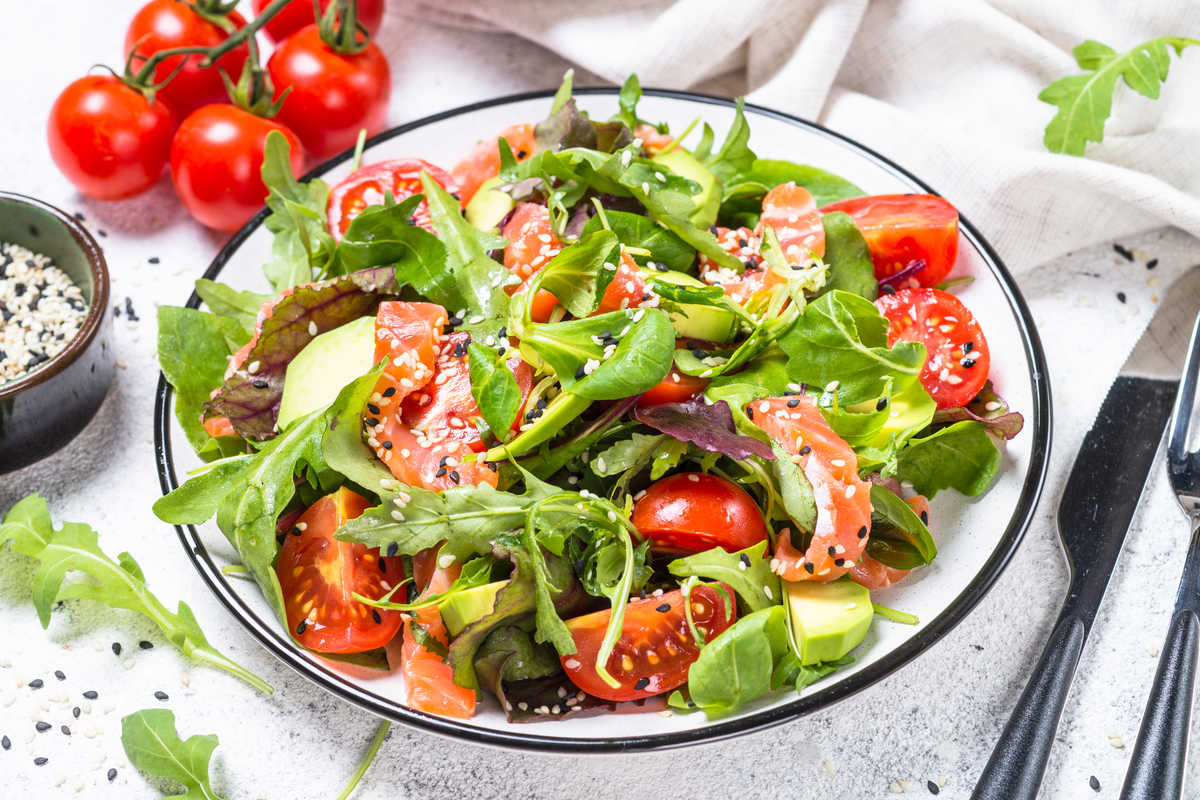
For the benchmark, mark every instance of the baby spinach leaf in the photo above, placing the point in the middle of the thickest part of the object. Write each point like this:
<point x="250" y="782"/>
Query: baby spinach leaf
<point x="961" y="456"/>
<point x="736" y="667"/>
<point x="580" y="273"/>
<point x="225" y="301"/>
<point x="639" y="231"/>
<point x="745" y="190"/>
<point x="494" y="388"/>
<point x="1085" y="101"/>
<point x="302" y="247"/>
<point x="193" y="352"/>
<point x="791" y="672"/>
<point x="794" y="490"/>
<point x="842" y="337"/>
<point x="849" y="258"/>
<point x="153" y="746"/>
<point x="857" y="427"/>
<point x="748" y="572"/>
<point x="708" y="426"/>
<point x="735" y="155"/>
<point x="892" y="518"/>
<point x="75" y="547"/>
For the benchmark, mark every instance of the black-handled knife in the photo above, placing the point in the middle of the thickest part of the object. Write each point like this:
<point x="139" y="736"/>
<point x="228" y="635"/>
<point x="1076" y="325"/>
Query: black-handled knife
<point x="1093" y="517"/>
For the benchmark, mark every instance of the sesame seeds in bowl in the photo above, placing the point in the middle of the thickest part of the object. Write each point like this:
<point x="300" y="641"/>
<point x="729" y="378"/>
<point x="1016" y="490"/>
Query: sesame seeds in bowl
<point x="41" y="307"/>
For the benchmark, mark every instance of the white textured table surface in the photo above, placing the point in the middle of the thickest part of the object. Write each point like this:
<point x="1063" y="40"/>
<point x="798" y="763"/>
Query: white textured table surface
<point x="934" y="720"/>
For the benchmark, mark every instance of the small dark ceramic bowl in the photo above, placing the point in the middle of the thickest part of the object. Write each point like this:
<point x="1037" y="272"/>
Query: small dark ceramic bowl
<point x="43" y="410"/>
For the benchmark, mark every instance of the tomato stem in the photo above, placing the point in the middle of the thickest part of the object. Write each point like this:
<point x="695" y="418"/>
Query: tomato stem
<point x="340" y="28"/>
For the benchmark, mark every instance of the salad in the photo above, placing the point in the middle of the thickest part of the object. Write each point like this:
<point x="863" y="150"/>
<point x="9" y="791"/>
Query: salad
<point x="600" y="414"/>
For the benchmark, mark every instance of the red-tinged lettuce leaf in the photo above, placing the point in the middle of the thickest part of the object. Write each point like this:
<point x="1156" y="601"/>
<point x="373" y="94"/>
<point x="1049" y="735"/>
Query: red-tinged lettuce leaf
<point x="250" y="396"/>
<point x="988" y="408"/>
<point x="709" y="427"/>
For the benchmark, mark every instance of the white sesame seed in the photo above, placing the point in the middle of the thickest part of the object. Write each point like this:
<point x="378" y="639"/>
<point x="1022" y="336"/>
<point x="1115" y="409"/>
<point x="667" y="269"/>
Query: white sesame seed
<point x="312" y="328"/>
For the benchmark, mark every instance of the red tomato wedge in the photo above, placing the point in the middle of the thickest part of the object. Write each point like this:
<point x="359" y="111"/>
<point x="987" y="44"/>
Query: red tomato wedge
<point x="483" y="161"/>
<point x="369" y="185"/>
<point x="904" y="229"/>
<point x="319" y="575"/>
<point x="693" y="511"/>
<point x="875" y="575"/>
<point x="428" y="680"/>
<point x="843" y="500"/>
<point x="957" y="357"/>
<point x="656" y="647"/>
<point x="674" y="388"/>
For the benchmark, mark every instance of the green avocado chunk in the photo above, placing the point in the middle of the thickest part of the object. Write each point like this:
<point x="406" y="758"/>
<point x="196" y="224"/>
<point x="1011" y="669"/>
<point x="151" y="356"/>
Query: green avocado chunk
<point x="828" y="619"/>
<point x="324" y="366"/>
<point x="708" y="202"/>
<point x="488" y="206"/>
<point x="694" y="321"/>
<point x="462" y="608"/>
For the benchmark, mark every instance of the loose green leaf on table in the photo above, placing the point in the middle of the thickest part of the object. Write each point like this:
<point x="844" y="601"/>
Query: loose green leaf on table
<point x="154" y="746"/>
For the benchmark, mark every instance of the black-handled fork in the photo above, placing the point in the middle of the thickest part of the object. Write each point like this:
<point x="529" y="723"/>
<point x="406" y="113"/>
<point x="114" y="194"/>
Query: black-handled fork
<point x="1156" y="767"/>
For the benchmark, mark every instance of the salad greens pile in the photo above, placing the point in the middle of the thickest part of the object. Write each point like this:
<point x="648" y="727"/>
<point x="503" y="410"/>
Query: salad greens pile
<point x="554" y="536"/>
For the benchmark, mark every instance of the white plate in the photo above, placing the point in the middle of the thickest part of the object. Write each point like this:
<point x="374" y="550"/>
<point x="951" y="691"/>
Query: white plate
<point x="975" y="537"/>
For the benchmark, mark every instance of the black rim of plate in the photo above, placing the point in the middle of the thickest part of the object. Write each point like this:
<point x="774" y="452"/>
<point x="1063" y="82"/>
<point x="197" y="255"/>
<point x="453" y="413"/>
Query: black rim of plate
<point x="271" y="636"/>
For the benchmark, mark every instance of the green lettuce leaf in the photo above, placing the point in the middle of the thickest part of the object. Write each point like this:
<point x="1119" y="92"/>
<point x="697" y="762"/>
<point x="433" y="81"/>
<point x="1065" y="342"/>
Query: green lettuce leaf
<point x="193" y="352"/>
<point x="848" y="257"/>
<point x="961" y="456"/>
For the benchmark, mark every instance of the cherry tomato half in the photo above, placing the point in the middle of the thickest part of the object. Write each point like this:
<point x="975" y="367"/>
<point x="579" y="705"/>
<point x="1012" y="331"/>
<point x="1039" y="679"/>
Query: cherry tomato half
<point x="319" y="574"/>
<point x="330" y="96"/>
<point x="693" y="511"/>
<point x="107" y="139"/>
<point x="369" y="185"/>
<point x="656" y="647"/>
<point x="298" y="13"/>
<point x="674" y="388"/>
<point x="216" y="163"/>
<point x="957" y="356"/>
<point x="167" y="24"/>
<point x="902" y="229"/>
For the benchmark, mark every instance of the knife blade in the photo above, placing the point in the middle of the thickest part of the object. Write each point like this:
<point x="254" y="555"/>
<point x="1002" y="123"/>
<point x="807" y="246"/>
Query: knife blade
<point x="1097" y="506"/>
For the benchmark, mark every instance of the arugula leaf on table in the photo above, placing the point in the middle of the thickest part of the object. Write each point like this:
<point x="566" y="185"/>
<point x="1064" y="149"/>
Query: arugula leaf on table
<point x="75" y="547"/>
<point x="962" y="456"/>
<point x="709" y="426"/>
<point x="640" y="232"/>
<point x="154" y="746"/>
<point x="747" y="571"/>
<point x="225" y="301"/>
<point x="494" y="388"/>
<point x="899" y="538"/>
<point x="735" y="155"/>
<point x="1085" y="101"/>
<point x="842" y="337"/>
<point x="302" y="246"/>
<point x="848" y="257"/>
<point x="193" y="352"/>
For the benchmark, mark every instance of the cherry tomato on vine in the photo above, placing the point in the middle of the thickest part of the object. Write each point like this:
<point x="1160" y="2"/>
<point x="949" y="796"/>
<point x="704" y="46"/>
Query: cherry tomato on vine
<point x="333" y="95"/>
<point x="368" y="186"/>
<point x="216" y="159"/>
<point x="656" y="647"/>
<point x="694" y="511"/>
<point x="165" y="24"/>
<point x="957" y="356"/>
<point x="107" y="139"/>
<point x="298" y="13"/>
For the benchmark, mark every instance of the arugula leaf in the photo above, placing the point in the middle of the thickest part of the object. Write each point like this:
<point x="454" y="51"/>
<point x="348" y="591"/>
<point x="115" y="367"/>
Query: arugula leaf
<point x="1085" y="101"/>
<point x="626" y="454"/>
<point x="250" y="396"/>
<point x="747" y="571"/>
<point x="627" y="100"/>
<point x="153" y="746"/>
<point x="735" y="155"/>
<point x="893" y="519"/>
<point x="494" y="388"/>
<point x="193" y="352"/>
<point x="842" y="337"/>
<point x="342" y="446"/>
<point x="225" y="301"/>
<point x="849" y="258"/>
<point x="641" y="232"/>
<point x="642" y="355"/>
<point x="75" y="547"/>
<point x="708" y="426"/>
<point x="961" y="457"/>
<point x="302" y="246"/>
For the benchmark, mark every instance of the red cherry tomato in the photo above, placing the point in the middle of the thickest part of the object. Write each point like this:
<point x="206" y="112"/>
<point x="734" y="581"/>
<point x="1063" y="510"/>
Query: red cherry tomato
<point x="483" y="160"/>
<point x="332" y="95"/>
<point x="656" y="647"/>
<point x="107" y="139"/>
<point x="902" y="229"/>
<point x="298" y="13"/>
<point x="319" y="574"/>
<point x="216" y="158"/>
<point x="957" y="357"/>
<point x="167" y="24"/>
<point x="369" y="185"/>
<point x="675" y="388"/>
<point x="693" y="511"/>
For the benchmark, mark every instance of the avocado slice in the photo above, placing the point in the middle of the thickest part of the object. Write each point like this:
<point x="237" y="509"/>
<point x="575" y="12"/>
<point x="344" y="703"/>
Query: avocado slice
<point x="470" y="605"/>
<point x="828" y="619"/>
<point x="324" y="366"/>
<point x="694" y="321"/>
<point x="488" y="206"/>
<point x="686" y="165"/>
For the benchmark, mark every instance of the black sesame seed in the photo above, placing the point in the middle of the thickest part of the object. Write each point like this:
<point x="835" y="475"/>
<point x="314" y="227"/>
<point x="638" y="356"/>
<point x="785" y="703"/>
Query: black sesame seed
<point x="375" y="616"/>
<point x="493" y="466"/>
<point x="862" y="532"/>
<point x="712" y="229"/>
<point x="1122" y="252"/>
<point x="116" y="648"/>
<point x="6" y="743"/>
<point x="698" y="353"/>
<point x="58" y="673"/>
<point x="153" y="259"/>
<point x="522" y="153"/>
<point x="642" y="683"/>
<point x="1121" y="296"/>
<point x="804" y="450"/>
<point x="1152" y="263"/>
<point x="65" y="730"/>
<point x="40" y="760"/>
<point x="393" y="549"/>
<point x="374" y="409"/>
<point x="161" y="695"/>
<point x="42" y="727"/>
<point x="454" y="476"/>
<point x="441" y="473"/>
<point x="259" y="383"/>
<point x="1094" y="782"/>
<point x="76" y="711"/>
<point x="301" y="627"/>
<point x="925" y="517"/>
<point x="809" y="568"/>
<point x="745" y="559"/>
<point x="382" y="564"/>
<point x="933" y="787"/>
<point x="78" y="215"/>
<point x="91" y="694"/>
<point x="749" y="413"/>
<point x="388" y="392"/>
<point x="750" y="264"/>
<point x="839" y="562"/>
<point x="795" y="401"/>
<point x="36" y="683"/>
<point x="664" y="608"/>
<point x="968" y="347"/>
<point x="832" y="551"/>
<point x="33" y="231"/>
<point x="129" y="312"/>
<point x="112" y="774"/>
<point x="372" y="421"/>
<point x="967" y="363"/>
<point x="145" y="645"/>
<point x="579" y="373"/>
<point x="386" y="445"/>
<point x="102" y="232"/>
